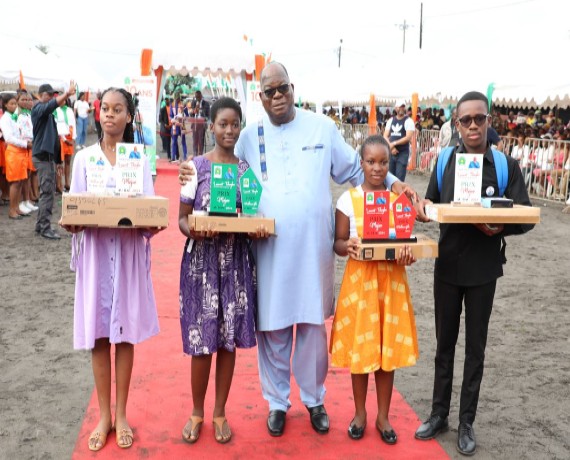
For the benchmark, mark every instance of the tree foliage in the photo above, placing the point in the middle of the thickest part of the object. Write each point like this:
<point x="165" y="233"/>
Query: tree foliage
<point x="178" y="84"/>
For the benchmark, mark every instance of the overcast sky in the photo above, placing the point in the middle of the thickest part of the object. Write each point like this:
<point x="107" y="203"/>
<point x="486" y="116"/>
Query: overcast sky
<point x="302" y="34"/>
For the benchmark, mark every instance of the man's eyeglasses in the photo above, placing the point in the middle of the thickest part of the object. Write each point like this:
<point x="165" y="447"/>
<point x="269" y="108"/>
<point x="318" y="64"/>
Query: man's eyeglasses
<point x="283" y="89"/>
<point x="479" y="119"/>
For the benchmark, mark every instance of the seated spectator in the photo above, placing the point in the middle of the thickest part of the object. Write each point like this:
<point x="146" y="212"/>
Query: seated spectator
<point x="530" y="119"/>
<point x="511" y="121"/>
<point x="559" y="177"/>
<point x="543" y="164"/>
<point x="521" y="153"/>
<point x="540" y="122"/>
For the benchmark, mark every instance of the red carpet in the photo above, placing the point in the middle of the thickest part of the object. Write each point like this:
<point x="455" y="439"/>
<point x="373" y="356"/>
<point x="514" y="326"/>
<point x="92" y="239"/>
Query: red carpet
<point x="160" y="398"/>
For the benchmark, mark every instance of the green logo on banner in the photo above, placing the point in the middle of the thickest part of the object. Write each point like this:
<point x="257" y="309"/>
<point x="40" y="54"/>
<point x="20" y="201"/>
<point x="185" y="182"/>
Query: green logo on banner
<point x="223" y="188"/>
<point x="122" y="150"/>
<point x="250" y="192"/>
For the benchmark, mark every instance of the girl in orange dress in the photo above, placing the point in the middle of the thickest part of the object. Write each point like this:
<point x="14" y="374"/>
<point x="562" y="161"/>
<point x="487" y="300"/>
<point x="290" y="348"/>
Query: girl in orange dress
<point x="3" y="183"/>
<point x="16" y="158"/>
<point x="66" y="124"/>
<point x="29" y="193"/>
<point x="374" y="328"/>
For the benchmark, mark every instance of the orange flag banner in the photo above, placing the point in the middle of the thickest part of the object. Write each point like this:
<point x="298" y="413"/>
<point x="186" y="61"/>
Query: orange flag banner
<point x="413" y="161"/>
<point x="146" y="62"/>
<point x="415" y="104"/>
<point x="372" y="122"/>
<point x="259" y="65"/>
<point x="22" y="83"/>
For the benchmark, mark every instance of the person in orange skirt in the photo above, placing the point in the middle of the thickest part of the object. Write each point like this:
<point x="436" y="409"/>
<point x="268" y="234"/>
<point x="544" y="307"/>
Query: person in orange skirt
<point x="65" y="120"/>
<point x="4" y="188"/>
<point x="16" y="159"/>
<point x="374" y="328"/>
<point x="29" y="194"/>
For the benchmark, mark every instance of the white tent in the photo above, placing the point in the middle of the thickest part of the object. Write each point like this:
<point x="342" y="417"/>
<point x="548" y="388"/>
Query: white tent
<point x="38" y="68"/>
<point x="228" y="64"/>
<point x="417" y="72"/>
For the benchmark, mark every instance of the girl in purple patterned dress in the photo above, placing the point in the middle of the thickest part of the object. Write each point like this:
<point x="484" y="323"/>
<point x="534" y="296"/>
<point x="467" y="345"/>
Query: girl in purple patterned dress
<point x="218" y="292"/>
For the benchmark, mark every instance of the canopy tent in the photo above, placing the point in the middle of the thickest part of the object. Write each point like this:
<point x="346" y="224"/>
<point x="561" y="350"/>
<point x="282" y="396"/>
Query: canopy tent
<point x="37" y="68"/>
<point x="222" y="70"/>
<point x="435" y="82"/>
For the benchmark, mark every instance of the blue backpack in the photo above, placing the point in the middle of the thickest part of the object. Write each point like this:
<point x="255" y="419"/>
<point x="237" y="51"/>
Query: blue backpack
<point x="499" y="159"/>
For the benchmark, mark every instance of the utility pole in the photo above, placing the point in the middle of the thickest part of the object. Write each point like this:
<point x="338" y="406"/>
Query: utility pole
<point x="403" y="27"/>
<point x="339" y="52"/>
<point x="421" y="23"/>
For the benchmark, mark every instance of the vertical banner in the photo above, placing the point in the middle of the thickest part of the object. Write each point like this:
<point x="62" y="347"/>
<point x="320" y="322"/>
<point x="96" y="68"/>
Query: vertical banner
<point x="144" y="94"/>
<point x="254" y="109"/>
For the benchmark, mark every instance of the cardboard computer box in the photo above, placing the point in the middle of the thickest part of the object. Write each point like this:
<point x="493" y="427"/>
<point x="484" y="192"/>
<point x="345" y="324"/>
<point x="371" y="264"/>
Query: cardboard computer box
<point x="231" y="224"/>
<point x="424" y="247"/>
<point x="448" y="213"/>
<point x="114" y="211"/>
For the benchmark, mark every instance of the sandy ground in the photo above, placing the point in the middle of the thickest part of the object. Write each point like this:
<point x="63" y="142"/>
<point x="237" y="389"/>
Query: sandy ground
<point x="524" y="407"/>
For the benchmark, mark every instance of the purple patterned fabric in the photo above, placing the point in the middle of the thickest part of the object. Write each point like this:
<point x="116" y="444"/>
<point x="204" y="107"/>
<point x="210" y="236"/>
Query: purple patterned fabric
<point x="218" y="291"/>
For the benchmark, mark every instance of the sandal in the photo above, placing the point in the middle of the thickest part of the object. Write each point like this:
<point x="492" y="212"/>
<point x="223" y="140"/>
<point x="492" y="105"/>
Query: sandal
<point x="222" y="430"/>
<point x="125" y="438"/>
<point x="97" y="440"/>
<point x="191" y="431"/>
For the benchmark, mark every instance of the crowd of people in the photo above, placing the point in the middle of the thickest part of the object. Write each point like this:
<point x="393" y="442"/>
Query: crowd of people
<point x="177" y="118"/>
<point x="37" y="133"/>
<point x="538" y="140"/>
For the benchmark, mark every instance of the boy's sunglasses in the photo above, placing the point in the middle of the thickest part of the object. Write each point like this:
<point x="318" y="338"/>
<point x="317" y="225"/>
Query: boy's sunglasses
<point x="478" y="119"/>
<point x="283" y="89"/>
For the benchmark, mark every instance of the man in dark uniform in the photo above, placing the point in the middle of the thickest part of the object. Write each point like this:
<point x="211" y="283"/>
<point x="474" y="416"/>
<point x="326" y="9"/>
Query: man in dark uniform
<point x="471" y="258"/>
<point x="46" y="153"/>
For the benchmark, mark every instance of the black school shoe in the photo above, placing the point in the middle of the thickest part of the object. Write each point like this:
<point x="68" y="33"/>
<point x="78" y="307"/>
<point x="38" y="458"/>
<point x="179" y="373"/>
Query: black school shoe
<point x="319" y="419"/>
<point x="431" y="428"/>
<point x="466" y="443"/>
<point x="276" y="422"/>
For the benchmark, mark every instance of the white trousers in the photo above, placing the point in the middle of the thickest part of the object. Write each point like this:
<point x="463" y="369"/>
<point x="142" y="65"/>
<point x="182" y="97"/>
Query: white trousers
<point x="310" y="364"/>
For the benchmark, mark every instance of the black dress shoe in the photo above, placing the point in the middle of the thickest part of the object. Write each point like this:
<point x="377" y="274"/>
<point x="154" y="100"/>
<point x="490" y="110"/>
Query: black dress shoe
<point x="356" y="432"/>
<point x="431" y="427"/>
<point x="50" y="234"/>
<point x="466" y="444"/>
<point x="276" y="422"/>
<point x="319" y="419"/>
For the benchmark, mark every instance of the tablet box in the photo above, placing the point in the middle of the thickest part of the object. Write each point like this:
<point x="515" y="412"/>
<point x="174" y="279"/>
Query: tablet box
<point x="423" y="248"/>
<point x="239" y="224"/>
<point x="449" y="213"/>
<point x="114" y="211"/>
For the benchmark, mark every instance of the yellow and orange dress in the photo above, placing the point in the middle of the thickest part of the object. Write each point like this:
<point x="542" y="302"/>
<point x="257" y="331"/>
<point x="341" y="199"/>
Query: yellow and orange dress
<point x="374" y="325"/>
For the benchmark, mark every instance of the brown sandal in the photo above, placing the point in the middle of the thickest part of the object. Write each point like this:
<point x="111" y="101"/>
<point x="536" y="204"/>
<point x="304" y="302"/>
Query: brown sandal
<point x="96" y="438"/>
<point x="222" y="430"/>
<point x="191" y="431"/>
<point x="125" y="438"/>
